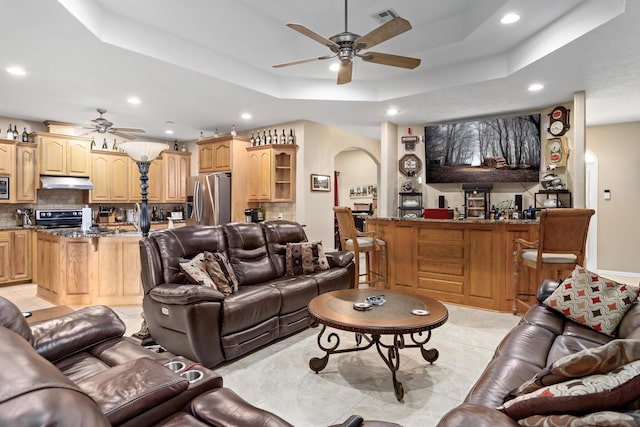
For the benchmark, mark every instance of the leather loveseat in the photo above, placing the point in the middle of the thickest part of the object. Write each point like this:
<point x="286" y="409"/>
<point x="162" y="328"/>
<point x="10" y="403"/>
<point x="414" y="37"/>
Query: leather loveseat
<point x="79" y="370"/>
<point x="203" y="324"/>
<point x="542" y="337"/>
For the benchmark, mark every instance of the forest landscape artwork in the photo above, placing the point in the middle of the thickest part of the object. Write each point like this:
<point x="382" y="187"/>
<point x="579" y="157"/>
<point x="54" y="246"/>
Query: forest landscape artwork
<point x="503" y="149"/>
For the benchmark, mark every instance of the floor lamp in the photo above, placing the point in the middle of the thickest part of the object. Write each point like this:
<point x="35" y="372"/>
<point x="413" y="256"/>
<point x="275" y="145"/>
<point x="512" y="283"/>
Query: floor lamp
<point x="143" y="153"/>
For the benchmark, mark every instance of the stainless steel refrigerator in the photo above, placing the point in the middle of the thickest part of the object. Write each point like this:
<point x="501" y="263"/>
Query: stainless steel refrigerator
<point x="209" y="199"/>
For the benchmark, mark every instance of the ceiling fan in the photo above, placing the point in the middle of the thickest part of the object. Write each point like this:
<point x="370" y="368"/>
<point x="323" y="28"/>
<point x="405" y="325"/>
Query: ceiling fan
<point x="346" y="46"/>
<point x="102" y="125"/>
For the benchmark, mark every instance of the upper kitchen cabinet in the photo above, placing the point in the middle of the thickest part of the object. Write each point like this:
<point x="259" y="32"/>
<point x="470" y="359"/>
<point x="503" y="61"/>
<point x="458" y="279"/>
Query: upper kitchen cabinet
<point x="63" y="155"/>
<point x="7" y="157"/>
<point x="176" y="167"/>
<point x="26" y="173"/>
<point x="155" y="181"/>
<point x="110" y="177"/>
<point x="217" y="154"/>
<point x="272" y="173"/>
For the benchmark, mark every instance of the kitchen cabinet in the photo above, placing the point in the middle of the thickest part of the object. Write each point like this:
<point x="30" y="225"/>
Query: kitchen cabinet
<point x="63" y="155"/>
<point x="272" y="173"/>
<point x="110" y="177"/>
<point x="7" y="157"/>
<point x="15" y="256"/>
<point x="215" y="154"/>
<point x="155" y="181"/>
<point x="26" y="176"/>
<point x="176" y="167"/>
<point x="118" y="275"/>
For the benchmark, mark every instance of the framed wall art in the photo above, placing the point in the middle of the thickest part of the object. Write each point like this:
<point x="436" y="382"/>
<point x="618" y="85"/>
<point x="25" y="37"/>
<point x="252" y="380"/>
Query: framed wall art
<point x="320" y="182"/>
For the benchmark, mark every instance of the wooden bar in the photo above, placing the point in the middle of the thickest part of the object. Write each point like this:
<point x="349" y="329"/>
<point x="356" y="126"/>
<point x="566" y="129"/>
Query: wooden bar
<point x="463" y="262"/>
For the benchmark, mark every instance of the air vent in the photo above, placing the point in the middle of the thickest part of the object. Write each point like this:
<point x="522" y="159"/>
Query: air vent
<point x="385" y="16"/>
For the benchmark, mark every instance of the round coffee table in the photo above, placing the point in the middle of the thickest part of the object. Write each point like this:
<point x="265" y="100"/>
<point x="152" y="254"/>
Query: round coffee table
<point x="394" y="317"/>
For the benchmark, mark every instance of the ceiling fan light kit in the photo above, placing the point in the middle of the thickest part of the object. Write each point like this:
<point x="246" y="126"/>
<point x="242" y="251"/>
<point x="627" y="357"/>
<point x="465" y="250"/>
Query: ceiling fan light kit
<point x="346" y="46"/>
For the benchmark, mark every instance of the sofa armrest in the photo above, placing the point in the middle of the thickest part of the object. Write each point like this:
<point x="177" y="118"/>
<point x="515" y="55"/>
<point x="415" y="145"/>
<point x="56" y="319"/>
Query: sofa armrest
<point x="469" y="414"/>
<point x="57" y="338"/>
<point x="339" y="258"/>
<point x="546" y="289"/>
<point x="172" y="293"/>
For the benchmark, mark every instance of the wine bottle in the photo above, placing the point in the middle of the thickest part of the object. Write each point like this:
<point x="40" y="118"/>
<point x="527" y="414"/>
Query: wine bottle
<point x="175" y="145"/>
<point x="292" y="138"/>
<point x="25" y="135"/>
<point x="264" y="138"/>
<point x="258" y="139"/>
<point x="9" y="133"/>
<point x="233" y="130"/>
<point x="269" y="138"/>
<point x="216" y="134"/>
<point x="283" y="137"/>
<point x="114" y="147"/>
<point x="16" y="135"/>
<point x="104" y="144"/>
<point x="184" y="148"/>
<point x="93" y="143"/>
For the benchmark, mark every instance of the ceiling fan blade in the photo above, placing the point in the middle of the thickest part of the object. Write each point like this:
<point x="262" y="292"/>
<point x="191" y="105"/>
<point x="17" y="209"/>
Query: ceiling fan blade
<point x="315" y="36"/>
<point x="303" y="61"/>
<point x="393" y="60"/>
<point x="118" y="129"/>
<point x="383" y="33"/>
<point x="344" y="73"/>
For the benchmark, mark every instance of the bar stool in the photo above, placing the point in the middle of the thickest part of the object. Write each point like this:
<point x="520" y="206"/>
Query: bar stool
<point x="362" y="242"/>
<point x="561" y="245"/>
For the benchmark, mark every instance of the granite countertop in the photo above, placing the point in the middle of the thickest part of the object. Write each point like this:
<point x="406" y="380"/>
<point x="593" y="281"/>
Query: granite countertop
<point x="463" y="221"/>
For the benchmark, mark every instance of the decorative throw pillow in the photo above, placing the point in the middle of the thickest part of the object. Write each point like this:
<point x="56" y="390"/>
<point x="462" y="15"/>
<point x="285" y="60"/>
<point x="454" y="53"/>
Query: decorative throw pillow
<point x="196" y="271"/>
<point x="600" y="419"/>
<point x="593" y="301"/>
<point x="305" y="258"/>
<point x="215" y="272"/>
<point x="597" y="360"/>
<point x="227" y="269"/>
<point x="588" y="394"/>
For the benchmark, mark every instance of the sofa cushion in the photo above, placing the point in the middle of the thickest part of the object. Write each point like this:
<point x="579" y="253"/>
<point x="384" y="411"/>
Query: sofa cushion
<point x="278" y="234"/>
<point x="587" y="394"/>
<point x="295" y="292"/>
<point x="600" y="419"/>
<point x="333" y="279"/>
<point x="214" y="270"/>
<point x="593" y="301"/>
<point x="248" y="307"/>
<point x="598" y="360"/>
<point x="247" y="252"/>
<point x="195" y="270"/>
<point x="305" y="258"/>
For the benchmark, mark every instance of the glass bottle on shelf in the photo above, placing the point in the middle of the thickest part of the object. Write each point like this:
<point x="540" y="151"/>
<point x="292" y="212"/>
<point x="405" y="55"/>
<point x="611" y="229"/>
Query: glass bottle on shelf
<point x="269" y="139"/>
<point x="16" y="135"/>
<point x="252" y="140"/>
<point x="258" y="139"/>
<point x="114" y="147"/>
<point x="93" y="143"/>
<point x="264" y="137"/>
<point x="233" y="130"/>
<point x="175" y="145"/>
<point x="216" y="134"/>
<point x="283" y="137"/>
<point x="25" y="135"/>
<point x="9" y="133"/>
<point x="292" y="137"/>
<point x="184" y="148"/>
<point x="201" y="137"/>
<point x="104" y="144"/>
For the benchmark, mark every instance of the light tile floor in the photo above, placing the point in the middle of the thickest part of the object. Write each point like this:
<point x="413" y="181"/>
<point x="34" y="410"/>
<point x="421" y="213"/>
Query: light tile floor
<point x="278" y="378"/>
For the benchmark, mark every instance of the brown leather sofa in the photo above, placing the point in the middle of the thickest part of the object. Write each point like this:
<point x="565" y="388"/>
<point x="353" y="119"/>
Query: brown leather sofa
<point x="79" y="370"/>
<point x="203" y="324"/>
<point x="542" y="337"/>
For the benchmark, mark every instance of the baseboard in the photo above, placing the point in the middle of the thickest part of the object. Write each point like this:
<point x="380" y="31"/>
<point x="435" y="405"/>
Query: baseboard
<point x="621" y="274"/>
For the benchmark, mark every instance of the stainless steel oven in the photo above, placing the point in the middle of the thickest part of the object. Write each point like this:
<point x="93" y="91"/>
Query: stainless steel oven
<point x="4" y="188"/>
<point x="59" y="218"/>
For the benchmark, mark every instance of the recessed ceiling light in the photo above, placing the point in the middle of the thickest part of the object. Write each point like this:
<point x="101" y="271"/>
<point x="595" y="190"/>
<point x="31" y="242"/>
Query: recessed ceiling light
<point x="510" y="18"/>
<point x="536" y="87"/>
<point x="133" y="100"/>
<point x="392" y="111"/>
<point x="168" y="132"/>
<point x="335" y="66"/>
<point x="16" y="71"/>
<point x="246" y="116"/>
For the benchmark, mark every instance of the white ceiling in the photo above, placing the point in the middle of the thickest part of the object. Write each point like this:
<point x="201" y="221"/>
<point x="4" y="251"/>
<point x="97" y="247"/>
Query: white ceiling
<point x="201" y="63"/>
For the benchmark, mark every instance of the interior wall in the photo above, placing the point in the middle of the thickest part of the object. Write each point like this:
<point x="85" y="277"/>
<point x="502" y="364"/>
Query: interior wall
<point x="356" y="169"/>
<point x="617" y="148"/>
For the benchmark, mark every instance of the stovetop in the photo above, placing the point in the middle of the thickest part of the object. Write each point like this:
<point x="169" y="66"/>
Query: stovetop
<point x="59" y="218"/>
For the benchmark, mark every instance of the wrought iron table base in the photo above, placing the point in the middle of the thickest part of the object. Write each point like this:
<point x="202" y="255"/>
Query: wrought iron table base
<point x="391" y="358"/>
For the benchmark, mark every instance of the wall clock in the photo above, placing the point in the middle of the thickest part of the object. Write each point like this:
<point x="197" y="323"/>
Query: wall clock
<point x="410" y="165"/>
<point x="557" y="152"/>
<point x="559" y="121"/>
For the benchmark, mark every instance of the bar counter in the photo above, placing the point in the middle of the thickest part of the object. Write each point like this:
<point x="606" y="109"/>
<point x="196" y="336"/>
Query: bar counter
<point x="468" y="262"/>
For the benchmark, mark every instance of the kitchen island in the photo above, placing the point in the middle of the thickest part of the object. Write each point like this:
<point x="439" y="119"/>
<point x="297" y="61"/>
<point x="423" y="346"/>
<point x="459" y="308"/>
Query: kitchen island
<point x="73" y="268"/>
<point x="467" y="262"/>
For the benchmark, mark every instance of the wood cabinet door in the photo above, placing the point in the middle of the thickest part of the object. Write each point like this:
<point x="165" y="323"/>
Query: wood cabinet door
<point x="171" y="172"/>
<point x="265" y="180"/>
<point x="20" y="254"/>
<point x="119" y="172"/>
<point x="78" y="158"/>
<point x="155" y="181"/>
<point x="205" y="158"/>
<point x="53" y="156"/>
<point x="26" y="174"/>
<point x="5" y="274"/>
<point x="254" y="176"/>
<point x="6" y="158"/>
<point x="100" y="177"/>
<point x="184" y="171"/>
<point x="222" y="156"/>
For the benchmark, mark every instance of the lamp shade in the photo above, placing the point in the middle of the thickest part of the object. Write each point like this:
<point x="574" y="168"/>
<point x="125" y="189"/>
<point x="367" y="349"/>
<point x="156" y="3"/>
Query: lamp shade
<point x="143" y="151"/>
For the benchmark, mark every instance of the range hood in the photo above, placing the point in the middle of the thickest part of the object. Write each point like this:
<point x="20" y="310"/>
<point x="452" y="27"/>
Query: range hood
<point x="65" y="183"/>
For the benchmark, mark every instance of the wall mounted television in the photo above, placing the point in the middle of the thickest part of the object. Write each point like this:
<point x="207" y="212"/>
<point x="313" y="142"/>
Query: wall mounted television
<point x="502" y="149"/>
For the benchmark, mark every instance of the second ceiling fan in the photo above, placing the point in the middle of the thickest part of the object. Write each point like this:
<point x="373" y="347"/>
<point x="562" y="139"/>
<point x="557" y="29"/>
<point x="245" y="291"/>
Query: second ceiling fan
<point x="346" y="46"/>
